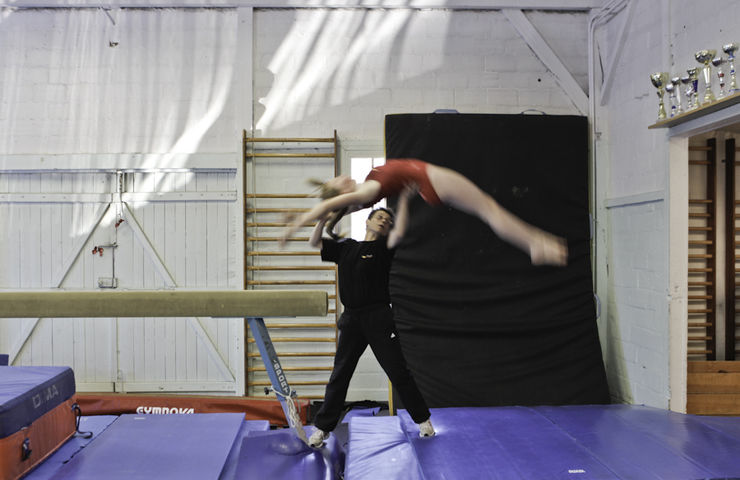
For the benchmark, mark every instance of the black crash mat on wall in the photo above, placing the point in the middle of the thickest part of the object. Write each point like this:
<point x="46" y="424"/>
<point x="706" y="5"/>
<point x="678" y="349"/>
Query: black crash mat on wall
<point x="479" y="325"/>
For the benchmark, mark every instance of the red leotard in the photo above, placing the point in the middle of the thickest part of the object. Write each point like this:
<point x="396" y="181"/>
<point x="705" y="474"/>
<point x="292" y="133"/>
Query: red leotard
<point x="397" y="173"/>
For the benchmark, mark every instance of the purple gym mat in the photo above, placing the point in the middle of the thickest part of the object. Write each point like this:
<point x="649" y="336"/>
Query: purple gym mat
<point x="574" y="442"/>
<point x="71" y="447"/>
<point x="280" y="454"/>
<point x="27" y="393"/>
<point x="571" y="442"/>
<point x="97" y="424"/>
<point x="646" y="443"/>
<point x="157" y="446"/>
<point x="379" y="448"/>
<point x="501" y="443"/>
<point x="232" y="461"/>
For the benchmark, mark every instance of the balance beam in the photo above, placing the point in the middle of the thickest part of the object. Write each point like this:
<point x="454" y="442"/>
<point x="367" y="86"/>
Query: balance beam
<point x="163" y="303"/>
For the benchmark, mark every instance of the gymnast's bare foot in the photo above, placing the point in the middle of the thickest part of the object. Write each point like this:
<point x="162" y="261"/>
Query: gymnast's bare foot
<point x="548" y="249"/>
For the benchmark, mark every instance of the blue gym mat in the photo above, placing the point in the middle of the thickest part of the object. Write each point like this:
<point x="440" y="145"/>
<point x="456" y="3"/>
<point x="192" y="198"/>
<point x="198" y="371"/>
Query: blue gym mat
<point x="574" y="442"/>
<point x="157" y="446"/>
<point x="27" y="393"/>
<point x="571" y="442"/>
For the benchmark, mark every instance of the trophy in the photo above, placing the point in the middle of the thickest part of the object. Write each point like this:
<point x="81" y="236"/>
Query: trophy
<point x="686" y="80"/>
<point x="659" y="80"/>
<point x="694" y="88"/>
<point x="671" y="89"/>
<point x="676" y="82"/>
<point x="705" y="58"/>
<point x="717" y="62"/>
<point x="730" y="50"/>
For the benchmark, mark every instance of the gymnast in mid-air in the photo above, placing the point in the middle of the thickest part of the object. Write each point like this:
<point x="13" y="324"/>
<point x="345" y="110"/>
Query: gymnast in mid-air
<point x="437" y="186"/>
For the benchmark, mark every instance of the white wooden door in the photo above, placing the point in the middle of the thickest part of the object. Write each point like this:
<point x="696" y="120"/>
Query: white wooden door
<point x="126" y="230"/>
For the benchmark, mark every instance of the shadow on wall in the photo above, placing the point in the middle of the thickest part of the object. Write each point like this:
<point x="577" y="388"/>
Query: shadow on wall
<point x="616" y="368"/>
<point x="362" y="64"/>
<point x="150" y="86"/>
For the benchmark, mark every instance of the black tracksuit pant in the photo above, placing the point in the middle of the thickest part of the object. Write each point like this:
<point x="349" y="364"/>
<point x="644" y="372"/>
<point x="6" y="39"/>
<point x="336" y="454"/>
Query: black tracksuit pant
<point x="359" y="328"/>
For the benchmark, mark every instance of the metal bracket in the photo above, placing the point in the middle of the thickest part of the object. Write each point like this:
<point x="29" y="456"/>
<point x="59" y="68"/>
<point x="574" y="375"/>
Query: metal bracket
<point x="276" y="375"/>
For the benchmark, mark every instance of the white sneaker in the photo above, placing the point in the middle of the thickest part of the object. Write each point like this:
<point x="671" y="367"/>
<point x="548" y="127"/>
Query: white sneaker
<point x="426" y="429"/>
<point x="317" y="438"/>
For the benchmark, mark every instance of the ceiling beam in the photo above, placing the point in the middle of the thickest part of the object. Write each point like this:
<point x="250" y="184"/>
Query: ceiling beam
<point x="548" y="57"/>
<point x="564" y="5"/>
<point x="617" y="55"/>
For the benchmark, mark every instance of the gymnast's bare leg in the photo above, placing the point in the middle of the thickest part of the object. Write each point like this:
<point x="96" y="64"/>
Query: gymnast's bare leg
<point x="459" y="192"/>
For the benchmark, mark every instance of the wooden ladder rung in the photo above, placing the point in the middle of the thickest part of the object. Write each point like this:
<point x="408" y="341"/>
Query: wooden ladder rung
<point x="277" y="210"/>
<point x="699" y="256"/>
<point x="296" y="354"/>
<point x="700" y="284"/>
<point x="700" y="270"/>
<point x="283" y="254"/>
<point x="293" y="369"/>
<point x="267" y="383"/>
<point x="290" y="155"/>
<point x="700" y="297"/>
<point x="298" y="339"/>
<point x="288" y="140"/>
<point x="275" y="239"/>
<point x="300" y="325"/>
<point x="274" y="224"/>
<point x="278" y="195"/>
<point x="696" y="311"/>
<point x="700" y="339"/>
<point x="293" y="267"/>
<point x="700" y="324"/>
<point x="291" y="282"/>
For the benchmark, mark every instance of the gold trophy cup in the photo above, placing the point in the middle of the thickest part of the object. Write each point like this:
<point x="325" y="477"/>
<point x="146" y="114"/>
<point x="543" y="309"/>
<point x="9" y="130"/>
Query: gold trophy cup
<point x="705" y="58"/>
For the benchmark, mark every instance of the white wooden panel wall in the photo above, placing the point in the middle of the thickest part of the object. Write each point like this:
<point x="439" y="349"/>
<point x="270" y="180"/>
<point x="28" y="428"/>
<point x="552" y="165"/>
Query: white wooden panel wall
<point x="179" y="230"/>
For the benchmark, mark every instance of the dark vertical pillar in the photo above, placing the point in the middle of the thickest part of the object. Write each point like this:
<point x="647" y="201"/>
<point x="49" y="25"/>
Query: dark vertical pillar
<point x="730" y="245"/>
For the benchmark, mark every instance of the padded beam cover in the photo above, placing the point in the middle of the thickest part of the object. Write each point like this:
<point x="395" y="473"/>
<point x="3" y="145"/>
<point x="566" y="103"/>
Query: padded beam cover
<point x="164" y="303"/>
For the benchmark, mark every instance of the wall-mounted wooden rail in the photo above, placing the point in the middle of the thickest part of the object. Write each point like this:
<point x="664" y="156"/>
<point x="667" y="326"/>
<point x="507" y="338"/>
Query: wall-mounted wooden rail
<point x="702" y="252"/>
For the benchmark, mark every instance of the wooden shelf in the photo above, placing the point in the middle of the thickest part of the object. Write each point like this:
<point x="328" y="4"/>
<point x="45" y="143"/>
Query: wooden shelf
<point x="706" y="109"/>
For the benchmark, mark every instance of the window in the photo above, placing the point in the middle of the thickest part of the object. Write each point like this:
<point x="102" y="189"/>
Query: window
<point x="359" y="168"/>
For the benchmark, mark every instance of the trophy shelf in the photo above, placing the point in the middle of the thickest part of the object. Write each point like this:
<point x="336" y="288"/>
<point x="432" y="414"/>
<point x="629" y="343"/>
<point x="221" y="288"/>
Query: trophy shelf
<point x="706" y="109"/>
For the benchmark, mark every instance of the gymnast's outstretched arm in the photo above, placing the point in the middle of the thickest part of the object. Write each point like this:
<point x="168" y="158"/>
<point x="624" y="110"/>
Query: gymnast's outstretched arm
<point x="362" y="195"/>
<point x="315" y="240"/>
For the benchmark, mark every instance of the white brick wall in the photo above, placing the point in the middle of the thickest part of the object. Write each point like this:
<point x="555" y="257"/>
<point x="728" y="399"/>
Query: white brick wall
<point x="329" y="63"/>
<point x="637" y="312"/>
<point x="164" y="87"/>
<point x="662" y="36"/>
